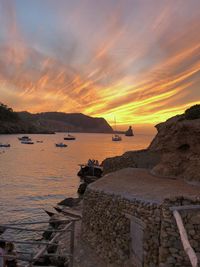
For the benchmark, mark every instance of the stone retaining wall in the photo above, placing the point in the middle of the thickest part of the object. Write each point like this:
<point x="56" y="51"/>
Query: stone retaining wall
<point x="135" y="159"/>
<point x="106" y="228"/>
<point x="171" y="249"/>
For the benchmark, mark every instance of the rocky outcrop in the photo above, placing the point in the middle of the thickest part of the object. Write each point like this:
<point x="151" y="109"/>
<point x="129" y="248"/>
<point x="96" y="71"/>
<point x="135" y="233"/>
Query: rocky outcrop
<point x="49" y="122"/>
<point x="174" y="152"/>
<point x="129" y="132"/>
<point x="136" y="159"/>
<point x="178" y="140"/>
<point x="62" y="122"/>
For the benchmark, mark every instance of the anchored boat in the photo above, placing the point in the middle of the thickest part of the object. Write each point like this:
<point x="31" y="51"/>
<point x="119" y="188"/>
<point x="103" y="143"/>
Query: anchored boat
<point x="60" y="145"/>
<point x="116" y="137"/>
<point x="4" y="145"/>
<point x="24" y="138"/>
<point x="91" y="168"/>
<point x="69" y="137"/>
<point x="27" y="142"/>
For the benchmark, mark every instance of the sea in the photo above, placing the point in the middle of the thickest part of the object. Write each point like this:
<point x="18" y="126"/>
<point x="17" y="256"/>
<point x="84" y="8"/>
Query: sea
<point x="36" y="177"/>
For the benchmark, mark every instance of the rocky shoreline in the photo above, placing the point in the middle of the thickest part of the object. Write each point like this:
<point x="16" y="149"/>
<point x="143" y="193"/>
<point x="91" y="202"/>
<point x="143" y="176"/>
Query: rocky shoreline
<point x="177" y="158"/>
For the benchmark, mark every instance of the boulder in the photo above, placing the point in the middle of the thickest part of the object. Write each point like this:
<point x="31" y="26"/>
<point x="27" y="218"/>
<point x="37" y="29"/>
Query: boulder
<point x="82" y="188"/>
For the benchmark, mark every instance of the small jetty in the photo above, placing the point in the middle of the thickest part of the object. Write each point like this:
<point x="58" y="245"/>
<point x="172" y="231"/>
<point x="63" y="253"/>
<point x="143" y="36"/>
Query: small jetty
<point x="48" y="251"/>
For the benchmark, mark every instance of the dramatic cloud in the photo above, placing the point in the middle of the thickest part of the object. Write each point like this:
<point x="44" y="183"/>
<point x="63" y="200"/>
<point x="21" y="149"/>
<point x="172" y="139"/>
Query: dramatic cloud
<point x="136" y="60"/>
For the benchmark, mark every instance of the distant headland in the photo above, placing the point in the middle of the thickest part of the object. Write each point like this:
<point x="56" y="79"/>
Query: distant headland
<point x="49" y="122"/>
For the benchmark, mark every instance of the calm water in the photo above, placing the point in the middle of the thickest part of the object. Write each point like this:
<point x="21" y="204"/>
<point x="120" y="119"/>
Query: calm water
<point x="35" y="177"/>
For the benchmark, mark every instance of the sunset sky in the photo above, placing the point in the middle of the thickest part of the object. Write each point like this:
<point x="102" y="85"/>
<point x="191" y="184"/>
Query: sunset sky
<point x="136" y="60"/>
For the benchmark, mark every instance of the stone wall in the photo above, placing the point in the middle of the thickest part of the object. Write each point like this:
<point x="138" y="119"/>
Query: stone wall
<point x="171" y="249"/>
<point x="106" y="228"/>
<point x="136" y="159"/>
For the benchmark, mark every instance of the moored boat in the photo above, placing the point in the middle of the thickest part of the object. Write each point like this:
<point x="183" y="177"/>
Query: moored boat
<point x="60" y="145"/>
<point x="24" y="138"/>
<point x="91" y="168"/>
<point x="27" y="142"/>
<point x="116" y="137"/>
<point x="69" y="137"/>
<point x="4" y="145"/>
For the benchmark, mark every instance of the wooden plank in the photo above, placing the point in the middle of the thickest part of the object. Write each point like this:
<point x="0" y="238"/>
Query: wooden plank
<point x="27" y="242"/>
<point x="57" y="255"/>
<point x="185" y="207"/>
<point x="42" y="250"/>
<point x="72" y="214"/>
<point x="33" y="230"/>
<point x="184" y="238"/>
<point x="38" y="222"/>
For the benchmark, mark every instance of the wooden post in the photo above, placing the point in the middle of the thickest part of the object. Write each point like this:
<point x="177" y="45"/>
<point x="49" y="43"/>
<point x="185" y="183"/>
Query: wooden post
<point x="72" y="244"/>
<point x="184" y="238"/>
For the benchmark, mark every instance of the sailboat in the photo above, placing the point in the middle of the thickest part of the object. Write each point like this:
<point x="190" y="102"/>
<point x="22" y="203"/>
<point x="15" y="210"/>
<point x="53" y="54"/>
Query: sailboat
<point x="116" y="137"/>
<point x="69" y="137"/>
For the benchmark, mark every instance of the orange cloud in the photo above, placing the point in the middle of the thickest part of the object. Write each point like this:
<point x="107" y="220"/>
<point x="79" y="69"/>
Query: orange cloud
<point x="139" y="76"/>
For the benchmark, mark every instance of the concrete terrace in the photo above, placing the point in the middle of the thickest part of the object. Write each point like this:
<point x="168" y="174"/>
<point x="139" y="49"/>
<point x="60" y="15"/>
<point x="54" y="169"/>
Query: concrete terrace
<point x="140" y="184"/>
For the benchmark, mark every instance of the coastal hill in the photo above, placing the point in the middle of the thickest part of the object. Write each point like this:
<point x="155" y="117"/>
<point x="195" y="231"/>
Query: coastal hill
<point x="48" y="122"/>
<point x="174" y="152"/>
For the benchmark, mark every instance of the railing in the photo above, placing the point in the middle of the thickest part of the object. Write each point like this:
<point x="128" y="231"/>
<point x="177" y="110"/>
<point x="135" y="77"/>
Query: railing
<point x="68" y="227"/>
<point x="183" y="233"/>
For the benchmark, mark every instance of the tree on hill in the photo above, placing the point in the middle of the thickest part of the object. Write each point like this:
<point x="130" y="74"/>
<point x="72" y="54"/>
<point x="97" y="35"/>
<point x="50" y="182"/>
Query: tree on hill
<point x="7" y="114"/>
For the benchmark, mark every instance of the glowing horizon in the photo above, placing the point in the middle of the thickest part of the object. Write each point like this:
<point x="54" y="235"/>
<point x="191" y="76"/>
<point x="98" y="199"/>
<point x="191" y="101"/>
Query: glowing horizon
<point x="138" y="61"/>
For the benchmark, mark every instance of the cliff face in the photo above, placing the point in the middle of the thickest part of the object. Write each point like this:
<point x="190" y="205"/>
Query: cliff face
<point x="48" y="122"/>
<point x="178" y="140"/>
<point x="62" y="122"/>
<point x="174" y="152"/>
<point x="135" y="159"/>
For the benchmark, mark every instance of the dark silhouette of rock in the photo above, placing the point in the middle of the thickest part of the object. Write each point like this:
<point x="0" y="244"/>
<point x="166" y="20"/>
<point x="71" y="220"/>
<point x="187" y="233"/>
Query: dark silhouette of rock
<point x="174" y="152"/>
<point x="63" y="122"/>
<point x="136" y="159"/>
<point x="49" y="122"/>
<point x="129" y="132"/>
<point x="178" y="140"/>
<point x="82" y="188"/>
<point x="70" y="202"/>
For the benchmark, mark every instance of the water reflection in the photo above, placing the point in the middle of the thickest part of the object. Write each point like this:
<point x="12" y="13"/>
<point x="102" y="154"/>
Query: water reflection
<point x="37" y="176"/>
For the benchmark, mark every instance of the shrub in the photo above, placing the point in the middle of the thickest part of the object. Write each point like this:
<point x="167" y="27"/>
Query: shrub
<point x="7" y="114"/>
<point x="193" y="112"/>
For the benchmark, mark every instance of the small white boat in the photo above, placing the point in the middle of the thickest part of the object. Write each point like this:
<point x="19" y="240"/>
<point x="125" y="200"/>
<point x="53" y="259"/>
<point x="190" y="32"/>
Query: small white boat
<point x="24" y="138"/>
<point x="27" y="142"/>
<point x="116" y="137"/>
<point x="69" y="137"/>
<point x="60" y="145"/>
<point x="4" y="145"/>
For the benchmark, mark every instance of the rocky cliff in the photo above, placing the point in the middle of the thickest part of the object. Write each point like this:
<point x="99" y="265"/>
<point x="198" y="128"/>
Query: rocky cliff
<point x="178" y="140"/>
<point x="63" y="122"/>
<point x="174" y="152"/>
<point x="48" y="122"/>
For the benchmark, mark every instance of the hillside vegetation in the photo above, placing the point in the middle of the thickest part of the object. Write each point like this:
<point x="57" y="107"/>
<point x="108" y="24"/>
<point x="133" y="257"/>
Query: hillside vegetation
<point x="49" y="122"/>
